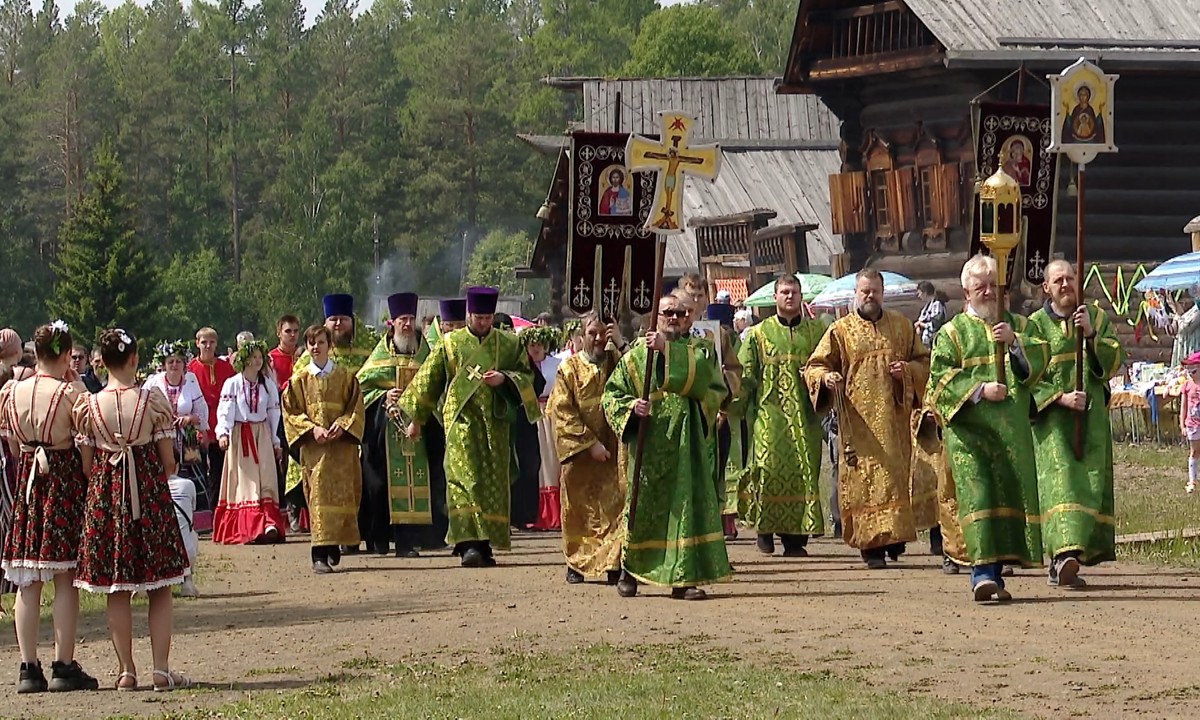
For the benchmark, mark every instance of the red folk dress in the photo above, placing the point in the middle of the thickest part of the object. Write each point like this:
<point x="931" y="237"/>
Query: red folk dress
<point x="131" y="541"/>
<point x="50" y="488"/>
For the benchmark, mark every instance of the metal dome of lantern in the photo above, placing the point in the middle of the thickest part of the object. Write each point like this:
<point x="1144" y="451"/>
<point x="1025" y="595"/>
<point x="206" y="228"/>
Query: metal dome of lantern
<point x="1000" y="233"/>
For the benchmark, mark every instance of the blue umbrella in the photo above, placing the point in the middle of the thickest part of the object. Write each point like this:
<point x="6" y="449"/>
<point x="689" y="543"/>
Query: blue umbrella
<point x="1178" y="273"/>
<point x="840" y="292"/>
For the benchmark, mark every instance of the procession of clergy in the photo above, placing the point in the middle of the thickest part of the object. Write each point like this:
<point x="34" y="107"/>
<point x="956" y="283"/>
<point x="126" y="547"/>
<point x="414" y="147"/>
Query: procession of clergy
<point x="938" y="439"/>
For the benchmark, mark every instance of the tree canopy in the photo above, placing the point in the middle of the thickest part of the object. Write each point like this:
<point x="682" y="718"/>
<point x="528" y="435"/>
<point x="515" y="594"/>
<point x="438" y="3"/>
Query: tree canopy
<point x="230" y="161"/>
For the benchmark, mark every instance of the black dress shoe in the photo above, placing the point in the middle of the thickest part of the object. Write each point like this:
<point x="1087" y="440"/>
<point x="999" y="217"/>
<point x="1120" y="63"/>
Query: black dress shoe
<point x="688" y="593"/>
<point x="949" y="567"/>
<point x="574" y="577"/>
<point x="765" y="544"/>
<point x="895" y="551"/>
<point x="614" y="576"/>
<point x="381" y="549"/>
<point x="31" y="679"/>
<point x="876" y="562"/>
<point x="335" y="556"/>
<point x="627" y="586"/>
<point x="473" y="558"/>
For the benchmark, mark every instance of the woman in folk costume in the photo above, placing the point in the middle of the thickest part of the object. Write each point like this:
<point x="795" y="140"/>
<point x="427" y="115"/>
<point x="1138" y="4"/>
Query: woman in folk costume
<point x="182" y="390"/>
<point x="43" y="542"/>
<point x="247" y="416"/>
<point x="540" y="343"/>
<point x="8" y="481"/>
<point x="131" y="542"/>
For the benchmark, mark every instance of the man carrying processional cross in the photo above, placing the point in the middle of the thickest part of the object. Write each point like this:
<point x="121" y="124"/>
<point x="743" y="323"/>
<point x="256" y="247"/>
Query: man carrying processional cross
<point x="404" y="495"/>
<point x="485" y="377"/>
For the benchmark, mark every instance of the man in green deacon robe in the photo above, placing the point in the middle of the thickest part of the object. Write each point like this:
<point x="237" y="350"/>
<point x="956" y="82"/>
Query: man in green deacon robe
<point x="783" y="495"/>
<point x="352" y="343"/>
<point x="986" y="428"/>
<point x="404" y="498"/>
<point x="486" y="379"/>
<point x="674" y="536"/>
<point x="1075" y="495"/>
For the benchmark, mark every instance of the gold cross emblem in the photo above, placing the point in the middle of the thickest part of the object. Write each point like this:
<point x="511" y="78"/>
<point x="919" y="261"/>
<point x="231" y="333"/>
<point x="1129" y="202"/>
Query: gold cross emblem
<point x="474" y="372"/>
<point x="671" y="159"/>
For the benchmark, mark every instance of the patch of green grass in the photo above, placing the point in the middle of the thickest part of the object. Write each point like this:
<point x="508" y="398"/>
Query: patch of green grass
<point x="593" y="683"/>
<point x="281" y="670"/>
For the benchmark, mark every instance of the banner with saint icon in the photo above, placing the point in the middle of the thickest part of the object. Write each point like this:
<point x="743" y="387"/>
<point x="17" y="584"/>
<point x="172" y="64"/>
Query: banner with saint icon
<point x="1016" y="138"/>
<point x="610" y="255"/>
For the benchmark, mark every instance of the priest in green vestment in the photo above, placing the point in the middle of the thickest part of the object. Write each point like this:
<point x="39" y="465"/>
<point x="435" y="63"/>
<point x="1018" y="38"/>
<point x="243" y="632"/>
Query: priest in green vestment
<point x="783" y="495"/>
<point x="675" y="538"/>
<point x="986" y="426"/>
<point x="404" y="498"/>
<point x="486" y="379"/>
<point x="1075" y="496"/>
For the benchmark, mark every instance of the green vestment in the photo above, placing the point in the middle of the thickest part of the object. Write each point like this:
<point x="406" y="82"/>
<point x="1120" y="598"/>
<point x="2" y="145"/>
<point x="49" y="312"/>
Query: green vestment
<point x="782" y="493"/>
<point x="736" y="462"/>
<point x="676" y="539"/>
<point x="1075" y="496"/>
<point x="477" y="419"/>
<point x="989" y="444"/>
<point x="405" y="461"/>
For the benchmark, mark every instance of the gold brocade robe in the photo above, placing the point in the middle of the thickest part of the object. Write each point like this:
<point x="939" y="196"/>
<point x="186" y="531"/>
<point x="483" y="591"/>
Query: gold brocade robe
<point x="931" y="469"/>
<point x="593" y="493"/>
<point x="875" y="473"/>
<point x="330" y="472"/>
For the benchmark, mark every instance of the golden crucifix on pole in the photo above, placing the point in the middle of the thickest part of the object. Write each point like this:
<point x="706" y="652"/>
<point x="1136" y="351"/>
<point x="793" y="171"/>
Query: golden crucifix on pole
<point x="671" y="159"/>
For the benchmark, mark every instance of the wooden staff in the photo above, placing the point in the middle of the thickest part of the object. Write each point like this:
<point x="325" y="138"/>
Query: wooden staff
<point x="659" y="257"/>
<point x="1079" y="416"/>
<point x="1001" y="307"/>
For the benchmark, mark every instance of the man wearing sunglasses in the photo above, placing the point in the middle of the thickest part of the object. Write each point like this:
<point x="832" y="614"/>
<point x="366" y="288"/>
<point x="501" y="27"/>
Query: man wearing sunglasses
<point x="79" y="363"/>
<point x="675" y="538"/>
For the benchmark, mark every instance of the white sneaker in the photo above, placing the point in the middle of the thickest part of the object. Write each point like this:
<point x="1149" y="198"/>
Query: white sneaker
<point x="1190" y="487"/>
<point x="189" y="589"/>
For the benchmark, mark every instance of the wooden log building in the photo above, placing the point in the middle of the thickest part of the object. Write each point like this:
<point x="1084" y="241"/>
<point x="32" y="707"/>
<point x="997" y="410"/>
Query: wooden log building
<point x="900" y="75"/>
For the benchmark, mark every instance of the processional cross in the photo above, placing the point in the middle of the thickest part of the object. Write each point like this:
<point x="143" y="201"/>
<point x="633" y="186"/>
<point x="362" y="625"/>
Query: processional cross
<point x="671" y="159"/>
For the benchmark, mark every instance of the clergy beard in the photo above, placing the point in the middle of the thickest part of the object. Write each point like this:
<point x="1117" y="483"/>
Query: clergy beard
<point x="596" y="356"/>
<point x="344" y="339"/>
<point x="871" y="310"/>
<point x="985" y="310"/>
<point x="405" y="343"/>
<point x="671" y="334"/>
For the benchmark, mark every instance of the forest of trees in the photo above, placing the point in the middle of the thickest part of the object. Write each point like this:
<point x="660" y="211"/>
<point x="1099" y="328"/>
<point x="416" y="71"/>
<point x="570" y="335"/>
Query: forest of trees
<point x="230" y="162"/>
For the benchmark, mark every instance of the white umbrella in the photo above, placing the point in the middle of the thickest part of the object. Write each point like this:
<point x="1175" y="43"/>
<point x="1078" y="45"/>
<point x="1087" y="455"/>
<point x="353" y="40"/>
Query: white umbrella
<point x="840" y="292"/>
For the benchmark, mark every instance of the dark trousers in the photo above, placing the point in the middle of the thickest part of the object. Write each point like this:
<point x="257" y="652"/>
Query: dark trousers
<point x="328" y="554"/>
<point x="524" y="503"/>
<point x="282" y="466"/>
<point x="214" y="458"/>
<point x="724" y="440"/>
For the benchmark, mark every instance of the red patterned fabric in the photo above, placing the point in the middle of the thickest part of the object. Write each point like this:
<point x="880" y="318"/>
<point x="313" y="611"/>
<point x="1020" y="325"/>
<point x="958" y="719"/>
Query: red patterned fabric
<point x="549" y="509"/>
<point x="211" y="378"/>
<point x="45" y="531"/>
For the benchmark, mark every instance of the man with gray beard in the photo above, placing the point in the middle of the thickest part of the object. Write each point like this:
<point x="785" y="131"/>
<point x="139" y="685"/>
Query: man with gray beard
<point x="404" y="496"/>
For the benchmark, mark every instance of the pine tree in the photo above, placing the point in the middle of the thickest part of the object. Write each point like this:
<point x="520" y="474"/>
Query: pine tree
<point x="104" y="278"/>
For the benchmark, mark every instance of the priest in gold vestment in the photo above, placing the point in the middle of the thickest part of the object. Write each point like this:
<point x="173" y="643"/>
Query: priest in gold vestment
<point x="872" y="368"/>
<point x="593" y="481"/>
<point x="324" y="423"/>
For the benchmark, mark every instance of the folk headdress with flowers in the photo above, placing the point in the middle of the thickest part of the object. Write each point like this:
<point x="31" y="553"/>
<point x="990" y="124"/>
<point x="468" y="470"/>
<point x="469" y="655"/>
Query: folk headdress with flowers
<point x="245" y="352"/>
<point x="171" y="348"/>
<point x="547" y="337"/>
<point x="58" y="330"/>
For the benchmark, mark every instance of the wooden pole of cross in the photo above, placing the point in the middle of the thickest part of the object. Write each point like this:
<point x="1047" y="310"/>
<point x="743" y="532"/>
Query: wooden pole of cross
<point x="671" y="159"/>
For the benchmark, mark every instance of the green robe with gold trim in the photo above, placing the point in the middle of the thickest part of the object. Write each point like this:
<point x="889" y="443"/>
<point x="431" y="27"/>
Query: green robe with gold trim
<point x="676" y="539"/>
<point x="989" y="444"/>
<point x="1076" y="496"/>
<point x="404" y="462"/>
<point x="782" y="483"/>
<point x="478" y="420"/>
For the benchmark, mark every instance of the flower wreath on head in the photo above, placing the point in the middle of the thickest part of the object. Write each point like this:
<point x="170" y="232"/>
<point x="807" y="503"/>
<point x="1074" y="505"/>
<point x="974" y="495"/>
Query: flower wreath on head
<point x="58" y="330"/>
<point x="169" y="349"/>
<point x="243" y="355"/>
<point x="570" y="328"/>
<point x="547" y="337"/>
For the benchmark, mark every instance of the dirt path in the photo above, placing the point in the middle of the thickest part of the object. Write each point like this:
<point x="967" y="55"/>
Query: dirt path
<point x="1128" y="645"/>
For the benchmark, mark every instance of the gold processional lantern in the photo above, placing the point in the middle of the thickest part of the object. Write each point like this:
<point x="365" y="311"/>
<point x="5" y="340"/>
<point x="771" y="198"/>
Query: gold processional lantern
<point x="1000" y="220"/>
<point x="1000" y="233"/>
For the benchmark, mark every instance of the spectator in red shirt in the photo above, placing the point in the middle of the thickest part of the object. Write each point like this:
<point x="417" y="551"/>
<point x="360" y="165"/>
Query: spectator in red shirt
<point x="283" y="359"/>
<point x="211" y="372"/>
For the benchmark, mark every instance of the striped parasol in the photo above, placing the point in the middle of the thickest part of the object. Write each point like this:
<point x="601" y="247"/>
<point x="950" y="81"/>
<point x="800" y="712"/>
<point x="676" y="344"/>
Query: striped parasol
<point x="1178" y="273"/>
<point x="840" y="292"/>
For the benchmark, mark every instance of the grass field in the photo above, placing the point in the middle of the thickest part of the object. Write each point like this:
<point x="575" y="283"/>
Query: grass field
<point x="597" y="682"/>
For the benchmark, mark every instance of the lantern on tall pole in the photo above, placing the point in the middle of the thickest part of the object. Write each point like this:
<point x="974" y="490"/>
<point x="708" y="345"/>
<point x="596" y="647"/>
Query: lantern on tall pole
<point x="1081" y="127"/>
<point x="1000" y="233"/>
